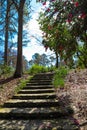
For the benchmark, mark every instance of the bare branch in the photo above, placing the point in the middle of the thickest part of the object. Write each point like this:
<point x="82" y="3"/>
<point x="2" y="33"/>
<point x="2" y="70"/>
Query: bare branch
<point x="16" y="6"/>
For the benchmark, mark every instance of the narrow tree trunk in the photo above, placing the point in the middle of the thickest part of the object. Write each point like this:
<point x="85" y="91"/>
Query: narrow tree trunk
<point x="6" y="34"/>
<point x="57" y="64"/>
<point x="19" y="66"/>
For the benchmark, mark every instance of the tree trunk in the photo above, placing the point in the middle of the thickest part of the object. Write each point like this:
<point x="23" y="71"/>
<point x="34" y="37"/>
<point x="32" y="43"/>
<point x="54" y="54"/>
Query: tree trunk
<point x="6" y="33"/>
<point x="57" y="64"/>
<point x="19" y="66"/>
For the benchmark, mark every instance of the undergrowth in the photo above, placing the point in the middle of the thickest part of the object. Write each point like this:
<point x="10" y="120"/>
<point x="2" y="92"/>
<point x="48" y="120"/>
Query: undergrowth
<point x="40" y="69"/>
<point x="37" y="69"/>
<point x="60" y="74"/>
<point x="6" y="71"/>
<point x="22" y="84"/>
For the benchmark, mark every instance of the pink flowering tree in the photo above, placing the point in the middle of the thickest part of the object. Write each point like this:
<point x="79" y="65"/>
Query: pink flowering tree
<point x="72" y="15"/>
<point x="56" y="35"/>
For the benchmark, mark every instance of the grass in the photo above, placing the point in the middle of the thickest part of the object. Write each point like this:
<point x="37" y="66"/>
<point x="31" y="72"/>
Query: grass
<point x="58" y="79"/>
<point x="22" y="84"/>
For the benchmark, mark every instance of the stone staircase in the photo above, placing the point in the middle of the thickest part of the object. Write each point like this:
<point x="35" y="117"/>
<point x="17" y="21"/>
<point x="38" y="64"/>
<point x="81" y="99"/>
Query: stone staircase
<point x="36" y="101"/>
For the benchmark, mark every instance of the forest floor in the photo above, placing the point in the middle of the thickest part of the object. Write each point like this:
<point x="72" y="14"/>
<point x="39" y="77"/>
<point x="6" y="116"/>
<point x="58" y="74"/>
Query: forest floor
<point x="8" y="87"/>
<point x="74" y="93"/>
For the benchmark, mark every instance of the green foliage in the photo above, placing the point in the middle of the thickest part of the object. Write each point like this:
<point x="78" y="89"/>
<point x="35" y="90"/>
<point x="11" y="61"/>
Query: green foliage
<point x="58" y="82"/>
<point x="6" y="70"/>
<point x="80" y="64"/>
<point x="37" y="69"/>
<point x="51" y="68"/>
<point x="22" y="84"/>
<point x="60" y="73"/>
<point x="82" y="55"/>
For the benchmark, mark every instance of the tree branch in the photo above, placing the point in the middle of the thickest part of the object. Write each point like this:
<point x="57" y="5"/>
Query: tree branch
<point x="79" y="57"/>
<point x="16" y="6"/>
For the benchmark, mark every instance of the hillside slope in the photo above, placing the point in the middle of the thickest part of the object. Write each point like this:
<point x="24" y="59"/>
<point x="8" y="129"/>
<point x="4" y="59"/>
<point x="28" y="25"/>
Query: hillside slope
<point x="75" y="94"/>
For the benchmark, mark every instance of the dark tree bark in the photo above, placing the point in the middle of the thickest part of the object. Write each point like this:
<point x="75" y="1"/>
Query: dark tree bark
<point x="57" y="64"/>
<point x="6" y="33"/>
<point x="19" y="66"/>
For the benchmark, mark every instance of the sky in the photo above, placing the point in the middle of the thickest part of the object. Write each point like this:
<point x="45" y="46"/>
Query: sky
<point x="32" y="27"/>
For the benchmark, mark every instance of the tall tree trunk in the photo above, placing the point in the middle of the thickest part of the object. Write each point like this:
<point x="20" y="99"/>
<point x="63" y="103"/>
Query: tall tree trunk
<point x="57" y="64"/>
<point x="19" y="66"/>
<point x="6" y="33"/>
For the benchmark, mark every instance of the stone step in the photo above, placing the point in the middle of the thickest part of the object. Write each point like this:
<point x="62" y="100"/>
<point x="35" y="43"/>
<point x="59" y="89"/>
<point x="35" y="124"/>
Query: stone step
<point x="38" y="87"/>
<point x="34" y="96"/>
<point x="35" y="102"/>
<point x="44" y="76"/>
<point x="39" y="83"/>
<point x="31" y="103"/>
<point x="33" y="113"/>
<point x="35" y="91"/>
<point x="40" y="80"/>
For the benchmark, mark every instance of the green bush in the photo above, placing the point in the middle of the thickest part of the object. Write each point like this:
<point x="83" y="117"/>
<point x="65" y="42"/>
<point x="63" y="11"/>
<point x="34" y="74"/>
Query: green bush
<point x="5" y="70"/>
<point x="37" y="69"/>
<point x="51" y="68"/>
<point x="22" y="84"/>
<point x="58" y="79"/>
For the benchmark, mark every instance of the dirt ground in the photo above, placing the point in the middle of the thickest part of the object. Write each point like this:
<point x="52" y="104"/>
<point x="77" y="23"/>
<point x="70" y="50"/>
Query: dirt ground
<point x="75" y="95"/>
<point x="7" y="87"/>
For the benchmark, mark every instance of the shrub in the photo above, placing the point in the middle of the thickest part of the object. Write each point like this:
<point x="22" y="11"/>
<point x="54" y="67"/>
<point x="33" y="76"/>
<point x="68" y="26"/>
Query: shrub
<point x="58" y="79"/>
<point x="51" y="68"/>
<point x="37" y="69"/>
<point x="6" y="70"/>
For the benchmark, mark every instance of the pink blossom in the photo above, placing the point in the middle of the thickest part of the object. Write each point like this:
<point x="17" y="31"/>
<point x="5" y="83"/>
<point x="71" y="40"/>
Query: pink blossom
<point x="83" y="15"/>
<point x="44" y="3"/>
<point x="48" y="10"/>
<point x="76" y="4"/>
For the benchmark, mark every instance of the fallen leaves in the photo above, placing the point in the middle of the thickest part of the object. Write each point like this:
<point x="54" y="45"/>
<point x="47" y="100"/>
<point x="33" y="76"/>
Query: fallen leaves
<point x="7" y="89"/>
<point x="76" y="91"/>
